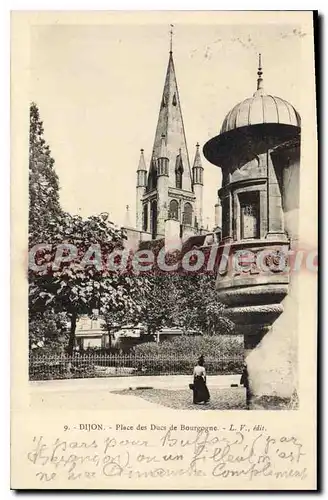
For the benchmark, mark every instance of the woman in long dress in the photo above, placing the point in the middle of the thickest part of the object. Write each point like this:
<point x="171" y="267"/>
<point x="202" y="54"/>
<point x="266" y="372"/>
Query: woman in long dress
<point x="200" y="390"/>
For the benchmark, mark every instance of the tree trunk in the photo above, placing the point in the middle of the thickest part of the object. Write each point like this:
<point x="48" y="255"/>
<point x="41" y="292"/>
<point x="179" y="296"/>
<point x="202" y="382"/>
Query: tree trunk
<point x="71" y="341"/>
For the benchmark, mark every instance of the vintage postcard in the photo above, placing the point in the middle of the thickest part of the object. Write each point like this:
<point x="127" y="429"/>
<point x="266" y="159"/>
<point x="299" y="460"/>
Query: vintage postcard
<point x="164" y="250"/>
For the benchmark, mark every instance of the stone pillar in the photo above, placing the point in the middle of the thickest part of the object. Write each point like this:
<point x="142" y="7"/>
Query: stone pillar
<point x="227" y="216"/>
<point x="275" y="212"/>
<point x="217" y="214"/>
<point x="271" y="358"/>
<point x="172" y="235"/>
<point x="267" y="346"/>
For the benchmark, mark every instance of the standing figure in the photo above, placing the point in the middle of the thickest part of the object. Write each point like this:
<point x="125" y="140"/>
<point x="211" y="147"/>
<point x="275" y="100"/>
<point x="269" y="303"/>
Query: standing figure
<point x="200" y="390"/>
<point x="244" y="380"/>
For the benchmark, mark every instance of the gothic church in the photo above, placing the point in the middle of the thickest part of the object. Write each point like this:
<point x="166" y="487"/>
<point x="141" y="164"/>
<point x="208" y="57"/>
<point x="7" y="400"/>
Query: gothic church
<point x="169" y="194"/>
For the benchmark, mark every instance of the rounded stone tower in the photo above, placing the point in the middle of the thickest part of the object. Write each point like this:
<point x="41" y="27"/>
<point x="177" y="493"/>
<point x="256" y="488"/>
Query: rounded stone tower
<point x="140" y="189"/>
<point x="258" y="150"/>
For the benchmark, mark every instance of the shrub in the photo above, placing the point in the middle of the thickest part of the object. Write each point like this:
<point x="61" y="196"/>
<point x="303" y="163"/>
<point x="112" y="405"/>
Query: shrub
<point x="194" y="346"/>
<point x="184" y="366"/>
<point x="223" y="355"/>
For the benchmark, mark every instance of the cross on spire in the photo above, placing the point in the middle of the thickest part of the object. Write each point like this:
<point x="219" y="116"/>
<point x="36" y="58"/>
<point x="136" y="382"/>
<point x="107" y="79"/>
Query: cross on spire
<point x="171" y="37"/>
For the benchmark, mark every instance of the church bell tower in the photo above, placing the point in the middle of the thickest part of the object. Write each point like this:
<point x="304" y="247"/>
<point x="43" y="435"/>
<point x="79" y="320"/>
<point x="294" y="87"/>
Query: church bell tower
<point x="169" y="206"/>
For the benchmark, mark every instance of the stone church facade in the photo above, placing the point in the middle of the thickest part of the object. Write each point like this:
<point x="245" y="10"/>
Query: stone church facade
<point x="169" y="192"/>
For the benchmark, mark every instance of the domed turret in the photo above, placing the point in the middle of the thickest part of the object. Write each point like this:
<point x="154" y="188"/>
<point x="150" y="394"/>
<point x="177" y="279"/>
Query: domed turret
<point x="258" y="150"/>
<point x="261" y="108"/>
<point x="263" y="119"/>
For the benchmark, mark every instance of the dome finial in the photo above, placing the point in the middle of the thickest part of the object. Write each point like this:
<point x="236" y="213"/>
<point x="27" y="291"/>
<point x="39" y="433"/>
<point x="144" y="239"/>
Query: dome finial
<point x="259" y="74"/>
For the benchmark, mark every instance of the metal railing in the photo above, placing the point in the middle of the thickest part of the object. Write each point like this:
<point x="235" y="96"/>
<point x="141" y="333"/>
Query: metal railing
<point x="45" y="367"/>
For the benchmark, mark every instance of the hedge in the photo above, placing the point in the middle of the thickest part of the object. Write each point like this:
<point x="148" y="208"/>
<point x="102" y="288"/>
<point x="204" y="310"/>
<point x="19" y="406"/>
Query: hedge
<point x="194" y="346"/>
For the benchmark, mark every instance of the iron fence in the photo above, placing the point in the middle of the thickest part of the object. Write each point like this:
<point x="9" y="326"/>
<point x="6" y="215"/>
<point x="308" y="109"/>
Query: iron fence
<point x="45" y="367"/>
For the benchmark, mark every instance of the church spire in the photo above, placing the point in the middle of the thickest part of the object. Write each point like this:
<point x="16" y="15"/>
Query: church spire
<point x="197" y="172"/>
<point x="171" y="38"/>
<point x="141" y="171"/>
<point x="170" y="124"/>
<point x="197" y="160"/>
<point x="142" y="164"/>
<point x="140" y="190"/>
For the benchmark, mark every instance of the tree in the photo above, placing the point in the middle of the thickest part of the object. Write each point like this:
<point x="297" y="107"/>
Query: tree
<point x="158" y="297"/>
<point x="47" y="332"/>
<point x="181" y="298"/>
<point x="44" y="207"/>
<point x="46" y="327"/>
<point x="200" y="307"/>
<point x="158" y="303"/>
<point x="70" y="287"/>
<point x="81" y="282"/>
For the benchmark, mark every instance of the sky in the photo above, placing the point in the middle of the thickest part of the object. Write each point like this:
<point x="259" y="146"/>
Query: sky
<point x="99" y="87"/>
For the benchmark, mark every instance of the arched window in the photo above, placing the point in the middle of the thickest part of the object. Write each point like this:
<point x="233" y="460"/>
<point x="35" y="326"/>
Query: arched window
<point x="174" y="210"/>
<point x="152" y="176"/>
<point x="153" y="219"/>
<point x="187" y="214"/>
<point x="178" y="179"/>
<point x="178" y="171"/>
<point x="145" y="217"/>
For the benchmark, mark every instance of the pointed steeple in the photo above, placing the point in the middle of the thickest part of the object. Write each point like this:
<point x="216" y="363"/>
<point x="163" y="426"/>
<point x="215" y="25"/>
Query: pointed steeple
<point x="140" y="190"/>
<point x="197" y="160"/>
<point x="170" y="124"/>
<point x="142" y="163"/>
<point x="141" y="171"/>
<point x="197" y="173"/>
